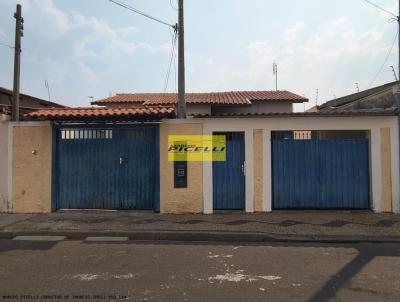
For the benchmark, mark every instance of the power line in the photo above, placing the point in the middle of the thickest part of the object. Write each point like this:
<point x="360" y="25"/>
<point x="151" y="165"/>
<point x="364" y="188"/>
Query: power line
<point x="174" y="60"/>
<point x="381" y="8"/>
<point x="385" y="61"/>
<point x="141" y="13"/>
<point x="173" y="7"/>
<point x="6" y="45"/>
<point x="173" y="45"/>
<point x="175" y="71"/>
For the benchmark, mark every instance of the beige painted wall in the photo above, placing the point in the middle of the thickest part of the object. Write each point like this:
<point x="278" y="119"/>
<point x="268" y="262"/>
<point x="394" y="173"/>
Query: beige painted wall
<point x="386" y="168"/>
<point x="187" y="200"/>
<point x="3" y="166"/>
<point x="258" y="169"/>
<point x="31" y="165"/>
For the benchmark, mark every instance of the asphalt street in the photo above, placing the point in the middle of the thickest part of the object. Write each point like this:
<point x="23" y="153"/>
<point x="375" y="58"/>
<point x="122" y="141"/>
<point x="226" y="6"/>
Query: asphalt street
<point x="140" y="271"/>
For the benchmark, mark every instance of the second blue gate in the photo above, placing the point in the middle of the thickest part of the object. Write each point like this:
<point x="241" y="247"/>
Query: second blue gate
<point x="228" y="176"/>
<point x="320" y="174"/>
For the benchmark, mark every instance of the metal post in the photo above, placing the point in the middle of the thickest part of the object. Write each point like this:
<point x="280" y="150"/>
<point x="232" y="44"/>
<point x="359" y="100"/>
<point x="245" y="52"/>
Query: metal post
<point x="17" y="63"/>
<point x="181" y="64"/>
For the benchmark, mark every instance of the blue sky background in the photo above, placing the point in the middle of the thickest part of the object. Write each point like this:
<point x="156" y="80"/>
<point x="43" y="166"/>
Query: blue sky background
<point x="93" y="48"/>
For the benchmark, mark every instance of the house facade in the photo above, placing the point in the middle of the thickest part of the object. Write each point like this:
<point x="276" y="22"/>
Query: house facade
<point x="117" y="158"/>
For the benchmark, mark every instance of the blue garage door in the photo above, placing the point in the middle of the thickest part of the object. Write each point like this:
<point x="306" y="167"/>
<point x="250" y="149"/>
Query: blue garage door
<point x="106" y="167"/>
<point x="320" y="174"/>
<point x="228" y="176"/>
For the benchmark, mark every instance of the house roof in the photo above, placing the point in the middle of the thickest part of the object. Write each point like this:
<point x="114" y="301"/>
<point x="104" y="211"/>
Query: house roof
<point x="84" y="114"/>
<point x="377" y="97"/>
<point x="212" y="98"/>
<point x="40" y="102"/>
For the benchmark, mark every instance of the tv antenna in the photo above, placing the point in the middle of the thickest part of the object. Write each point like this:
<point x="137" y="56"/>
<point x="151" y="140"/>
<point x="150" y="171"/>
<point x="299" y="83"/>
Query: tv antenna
<point x="394" y="73"/>
<point x="46" y="83"/>
<point x="275" y="72"/>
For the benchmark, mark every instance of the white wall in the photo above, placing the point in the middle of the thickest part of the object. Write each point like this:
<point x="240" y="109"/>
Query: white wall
<point x="198" y="109"/>
<point x="256" y="107"/>
<point x="247" y="125"/>
<point x="3" y="165"/>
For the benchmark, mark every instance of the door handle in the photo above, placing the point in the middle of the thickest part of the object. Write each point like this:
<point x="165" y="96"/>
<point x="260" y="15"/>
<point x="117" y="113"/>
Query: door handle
<point x="121" y="160"/>
<point x="244" y="168"/>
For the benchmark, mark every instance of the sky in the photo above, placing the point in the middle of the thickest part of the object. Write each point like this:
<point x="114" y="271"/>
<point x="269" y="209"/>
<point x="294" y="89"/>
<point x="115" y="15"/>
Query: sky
<point x="93" y="48"/>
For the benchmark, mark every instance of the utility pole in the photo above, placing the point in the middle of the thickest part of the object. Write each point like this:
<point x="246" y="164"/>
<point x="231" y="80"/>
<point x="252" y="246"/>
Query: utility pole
<point x="181" y="64"/>
<point x="17" y="62"/>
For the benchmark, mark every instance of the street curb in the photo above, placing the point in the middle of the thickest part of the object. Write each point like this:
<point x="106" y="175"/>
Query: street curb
<point x="198" y="236"/>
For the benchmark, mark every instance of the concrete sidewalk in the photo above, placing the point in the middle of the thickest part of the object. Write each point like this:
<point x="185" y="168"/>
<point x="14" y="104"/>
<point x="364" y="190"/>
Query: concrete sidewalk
<point x="332" y="226"/>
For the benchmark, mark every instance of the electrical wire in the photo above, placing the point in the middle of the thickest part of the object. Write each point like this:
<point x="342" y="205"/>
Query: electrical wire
<point x="141" y="13"/>
<point x="175" y="71"/>
<point x="385" y="61"/>
<point x="171" y="59"/>
<point x="174" y="55"/>
<point x="6" y="45"/>
<point x="173" y="7"/>
<point x="381" y="8"/>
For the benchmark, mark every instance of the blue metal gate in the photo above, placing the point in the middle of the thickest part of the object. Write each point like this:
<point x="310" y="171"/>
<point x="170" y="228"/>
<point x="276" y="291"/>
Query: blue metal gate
<point x="228" y="176"/>
<point x="320" y="174"/>
<point x="112" y="167"/>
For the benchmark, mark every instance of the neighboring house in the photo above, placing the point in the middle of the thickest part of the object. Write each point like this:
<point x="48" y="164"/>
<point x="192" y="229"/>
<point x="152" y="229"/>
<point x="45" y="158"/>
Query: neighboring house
<point x="27" y="103"/>
<point x="211" y="103"/>
<point x="377" y="98"/>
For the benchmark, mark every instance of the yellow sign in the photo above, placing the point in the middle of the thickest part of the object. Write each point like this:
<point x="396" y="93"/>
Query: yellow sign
<point x="196" y="148"/>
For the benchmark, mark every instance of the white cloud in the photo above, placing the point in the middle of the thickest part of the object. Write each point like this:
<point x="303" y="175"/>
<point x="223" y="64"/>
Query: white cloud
<point x="332" y="59"/>
<point x="111" y="41"/>
<point x="127" y="30"/>
<point x="60" y="19"/>
<point x="291" y="33"/>
<point x="79" y="54"/>
<point x="338" y="38"/>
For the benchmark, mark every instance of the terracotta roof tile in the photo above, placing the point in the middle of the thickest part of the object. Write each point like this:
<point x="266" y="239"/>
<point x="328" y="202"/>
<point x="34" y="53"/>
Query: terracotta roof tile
<point x="213" y="98"/>
<point x="102" y="113"/>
